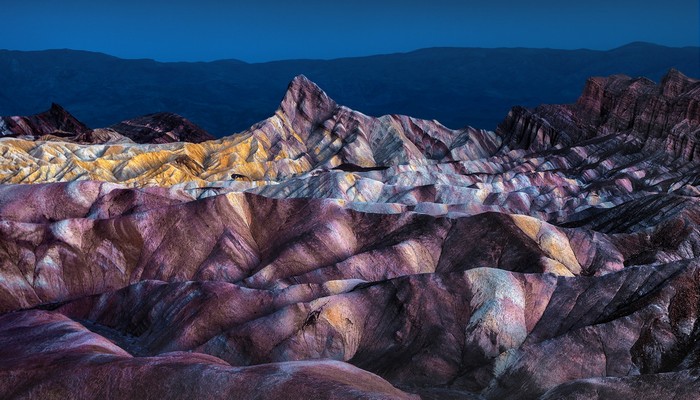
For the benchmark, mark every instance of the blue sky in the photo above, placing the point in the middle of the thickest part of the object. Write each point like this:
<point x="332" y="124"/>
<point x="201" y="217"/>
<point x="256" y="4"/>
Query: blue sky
<point x="264" y="30"/>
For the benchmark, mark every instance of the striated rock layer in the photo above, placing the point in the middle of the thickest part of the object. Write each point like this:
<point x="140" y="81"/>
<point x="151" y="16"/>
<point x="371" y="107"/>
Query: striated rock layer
<point x="324" y="253"/>
<point x="308" y="131"/>
<point x="551" y="163"/>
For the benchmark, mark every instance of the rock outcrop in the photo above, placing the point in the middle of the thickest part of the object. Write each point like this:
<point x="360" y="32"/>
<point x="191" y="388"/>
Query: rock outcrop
<point x="663" y="117"/>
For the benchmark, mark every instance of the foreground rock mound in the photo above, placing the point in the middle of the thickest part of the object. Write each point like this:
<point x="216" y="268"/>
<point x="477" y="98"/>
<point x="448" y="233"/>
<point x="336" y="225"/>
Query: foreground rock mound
<point x="78" y="364"/>
<point x="324" y="253"/>
<point x="110" y="237"/>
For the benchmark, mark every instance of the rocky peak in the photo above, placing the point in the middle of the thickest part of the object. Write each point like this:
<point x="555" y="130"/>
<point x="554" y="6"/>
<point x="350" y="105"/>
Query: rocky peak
<point x="602" y="94"/>
<point x="305" y="100"/>
<point x="57" y="110"/>
<point x="58" y="119"/>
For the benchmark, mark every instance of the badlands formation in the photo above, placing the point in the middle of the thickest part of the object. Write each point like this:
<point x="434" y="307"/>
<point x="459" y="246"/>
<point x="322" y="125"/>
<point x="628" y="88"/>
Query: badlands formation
<point x="324" y="253"/>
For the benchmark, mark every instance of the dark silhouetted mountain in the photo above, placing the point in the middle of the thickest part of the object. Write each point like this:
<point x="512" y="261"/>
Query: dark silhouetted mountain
<point x="457" y="86"/>
<point x="59" y="124"/>
<point x="55" y="121"/>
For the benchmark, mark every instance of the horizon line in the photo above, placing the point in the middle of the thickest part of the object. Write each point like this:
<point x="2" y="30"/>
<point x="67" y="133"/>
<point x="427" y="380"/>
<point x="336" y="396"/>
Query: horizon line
<point x="633" y="43"/>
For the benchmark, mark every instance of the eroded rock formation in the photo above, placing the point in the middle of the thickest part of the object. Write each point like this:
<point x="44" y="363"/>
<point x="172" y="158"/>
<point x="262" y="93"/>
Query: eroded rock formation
<point x="324" y="253"/>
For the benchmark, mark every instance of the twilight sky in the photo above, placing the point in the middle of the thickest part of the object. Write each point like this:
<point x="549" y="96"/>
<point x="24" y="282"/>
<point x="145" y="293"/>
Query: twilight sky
<point x="264" y="30"/>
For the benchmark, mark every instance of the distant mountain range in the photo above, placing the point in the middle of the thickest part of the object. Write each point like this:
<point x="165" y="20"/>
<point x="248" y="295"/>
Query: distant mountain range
<point x="457" y="86"/>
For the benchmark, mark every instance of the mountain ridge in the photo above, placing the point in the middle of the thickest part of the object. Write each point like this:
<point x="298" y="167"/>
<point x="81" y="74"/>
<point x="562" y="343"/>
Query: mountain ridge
<point x="631" y="45"/>
<point x="458" y="87"/>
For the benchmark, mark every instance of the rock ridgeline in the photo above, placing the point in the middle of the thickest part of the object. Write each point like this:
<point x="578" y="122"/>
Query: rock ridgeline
<point x="309" y="131"/>
<point x="314" y="148"/>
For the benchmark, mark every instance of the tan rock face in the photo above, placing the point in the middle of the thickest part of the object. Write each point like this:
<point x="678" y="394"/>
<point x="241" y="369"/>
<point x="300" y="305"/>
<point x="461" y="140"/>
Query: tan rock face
<point x="324" y="253"/>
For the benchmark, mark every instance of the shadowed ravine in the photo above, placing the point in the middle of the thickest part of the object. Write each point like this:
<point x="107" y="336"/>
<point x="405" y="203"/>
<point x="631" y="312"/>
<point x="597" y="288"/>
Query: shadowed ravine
<point x="324" y="253"/>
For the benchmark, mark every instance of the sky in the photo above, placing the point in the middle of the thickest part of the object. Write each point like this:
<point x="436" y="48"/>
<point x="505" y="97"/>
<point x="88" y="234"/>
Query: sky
<point x="266" y="30"/>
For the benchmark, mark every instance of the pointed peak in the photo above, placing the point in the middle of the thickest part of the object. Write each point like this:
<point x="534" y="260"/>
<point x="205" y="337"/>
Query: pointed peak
<point x="301" y="83"/>
<point x="674" y="74"/>
<point x="673" y="71"/>
<point x="58" y="118"/>
<point x="306" y="97"/>
<point x="55" y="119"/>
<point x="56" y="106"/>
<point x="58" y="111"/>
<point x="300" y="79"/>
